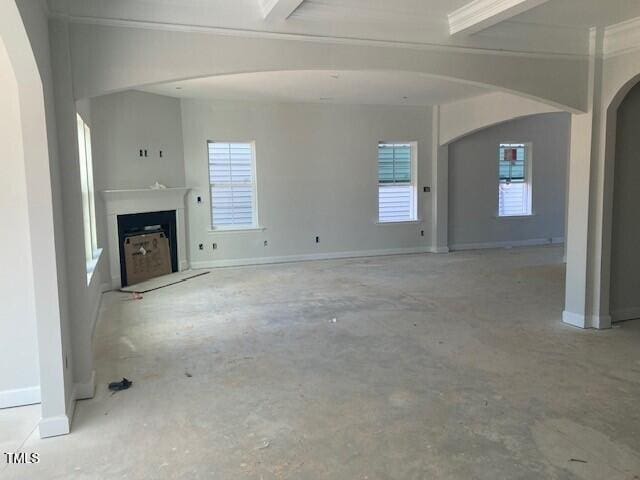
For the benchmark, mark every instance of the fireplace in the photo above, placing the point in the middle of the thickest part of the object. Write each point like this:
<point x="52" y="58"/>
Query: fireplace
<point x="146" y="223"/>
<point x="145" y="210"/>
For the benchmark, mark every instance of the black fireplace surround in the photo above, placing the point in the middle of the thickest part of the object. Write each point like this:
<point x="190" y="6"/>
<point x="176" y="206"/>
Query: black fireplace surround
<point x="147" y="223"/>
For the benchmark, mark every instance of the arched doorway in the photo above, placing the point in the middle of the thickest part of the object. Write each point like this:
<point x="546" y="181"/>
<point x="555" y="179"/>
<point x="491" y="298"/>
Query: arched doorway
<point x="32" y="158"/>
<point x="624" y="296"/>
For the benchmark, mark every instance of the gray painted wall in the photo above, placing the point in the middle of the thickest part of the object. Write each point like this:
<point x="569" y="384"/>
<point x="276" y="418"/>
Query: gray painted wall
<point x="122" y="124"/>
<point x="317" y="175"/>
<point x="625" y="247"/>
<point x="473" y="183"/>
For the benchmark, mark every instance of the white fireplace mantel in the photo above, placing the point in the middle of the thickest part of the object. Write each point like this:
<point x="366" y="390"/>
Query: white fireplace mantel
<point x="143" y="200"/>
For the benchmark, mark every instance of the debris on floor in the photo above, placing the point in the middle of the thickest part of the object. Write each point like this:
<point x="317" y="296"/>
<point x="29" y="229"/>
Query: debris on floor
<point x="577" y="460"/>
<point x="123" y="384"/>
<point x="188" y="375"/>
<point x="136" y="296"/>
<point x="265" y="445"/>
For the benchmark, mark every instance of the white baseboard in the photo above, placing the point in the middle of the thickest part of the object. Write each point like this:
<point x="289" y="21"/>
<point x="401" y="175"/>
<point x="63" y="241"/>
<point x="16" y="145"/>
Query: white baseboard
<point x="306" y="257"/>
<point x="574" y="319"/>
<point x="183" y="265"/>
<point x="86" y="390"/>
<point x="54" y="426"/>
<point x="507" y="244"/>
<point x="439" y="249"/>
<point x="601" y="322"/>
<point x="625" y="314"/>
<point x="19" y="397"/>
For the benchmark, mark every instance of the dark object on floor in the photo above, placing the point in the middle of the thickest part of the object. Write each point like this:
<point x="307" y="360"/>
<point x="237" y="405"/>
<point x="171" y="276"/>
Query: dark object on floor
<point x="188" y="374"/>
<point x="577" y="460"/>
<point x="121" y="385"/>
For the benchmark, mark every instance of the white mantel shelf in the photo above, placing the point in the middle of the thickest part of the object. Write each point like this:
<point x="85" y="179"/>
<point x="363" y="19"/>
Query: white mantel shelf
<point x="143" y="200"/>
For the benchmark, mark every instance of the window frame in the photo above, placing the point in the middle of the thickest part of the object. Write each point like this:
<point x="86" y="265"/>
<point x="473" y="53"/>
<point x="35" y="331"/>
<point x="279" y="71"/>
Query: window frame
<point x="255" y="218"/>
<point x="87" y="189"/>
<point x="528" y="180"/>
<point x="414" y="216"/>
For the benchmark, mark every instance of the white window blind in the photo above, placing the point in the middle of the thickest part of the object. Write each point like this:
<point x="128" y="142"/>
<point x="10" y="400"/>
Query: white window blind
<point x="233" y="187"/>
<point x="514" y="190"/>
<point x="396" y="182"/>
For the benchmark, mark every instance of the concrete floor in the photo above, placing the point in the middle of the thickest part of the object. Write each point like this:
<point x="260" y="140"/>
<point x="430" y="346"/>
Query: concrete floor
<point x="436" y="367"/>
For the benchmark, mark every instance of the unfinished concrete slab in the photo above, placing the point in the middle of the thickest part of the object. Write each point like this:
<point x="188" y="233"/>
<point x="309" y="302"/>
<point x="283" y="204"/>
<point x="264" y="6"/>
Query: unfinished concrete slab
<point x="436" y="367"/>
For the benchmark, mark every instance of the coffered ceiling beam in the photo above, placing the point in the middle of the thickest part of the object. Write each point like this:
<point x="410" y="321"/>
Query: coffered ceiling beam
<point x="482" y="14"/>
<point x="278" y="10"/>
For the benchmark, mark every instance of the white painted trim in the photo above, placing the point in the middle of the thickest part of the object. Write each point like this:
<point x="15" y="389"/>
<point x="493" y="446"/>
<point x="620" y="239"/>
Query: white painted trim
<point x="574" y="319"/>
<point x="234" y="32"/>
<point x="507" y="244"/>
<point x="601" y="322"/>
<point x="625" y="314"/>
<point x="241" y="262"/>
<point x="439" y="250"/>
<point x="86" y="390"/>
<point x="622" y="38"/>
<point x="479" y="15"/>
<point x="224" y="231"/>
<point x="55" y="426"/>
<point x="19" y="397"/>
<point x="95" y="312"/>
<point x="279" y="10"/>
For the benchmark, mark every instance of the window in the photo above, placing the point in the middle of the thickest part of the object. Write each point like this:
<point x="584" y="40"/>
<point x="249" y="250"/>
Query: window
<point x="232" y="179"/>
<point x="88" y="199"/>
<point x="514" y="190"/>
<point x="397" y="193"/>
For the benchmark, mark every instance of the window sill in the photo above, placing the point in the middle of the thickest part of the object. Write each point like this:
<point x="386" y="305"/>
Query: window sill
<point x="92" y="264"/>
<point x="514" y="217"/>
<point x="237" y="230"/>
<point x="402" y="222"/>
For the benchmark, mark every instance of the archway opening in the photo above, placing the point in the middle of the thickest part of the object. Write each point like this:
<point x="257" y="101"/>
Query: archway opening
<point x="625" y="232"/>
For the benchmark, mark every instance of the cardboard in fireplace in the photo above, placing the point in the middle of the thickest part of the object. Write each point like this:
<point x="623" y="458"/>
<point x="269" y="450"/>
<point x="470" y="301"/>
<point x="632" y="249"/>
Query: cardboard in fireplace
<point x="146" y="256"/>
<point x="148" y="245"/>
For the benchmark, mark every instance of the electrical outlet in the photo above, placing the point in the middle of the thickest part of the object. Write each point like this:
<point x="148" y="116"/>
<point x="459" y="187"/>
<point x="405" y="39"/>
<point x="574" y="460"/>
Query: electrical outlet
<point x="426" y="189"/>
<point x="422" y="233"/>
<point x="141" y="153"/>
<point x="215" y="246"/>
<point x="266" y="243"/>
<point x="317" y="239"/>
<point x="201" y="247"/>
<point x="199" y="199"/>
<point x="160" y="153"/>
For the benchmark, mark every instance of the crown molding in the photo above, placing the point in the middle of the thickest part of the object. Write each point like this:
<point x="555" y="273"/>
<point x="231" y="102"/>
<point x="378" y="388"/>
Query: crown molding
<point x="622" y="38"/>
<point x="353" y="41"/>
<point x="481" y="14"/>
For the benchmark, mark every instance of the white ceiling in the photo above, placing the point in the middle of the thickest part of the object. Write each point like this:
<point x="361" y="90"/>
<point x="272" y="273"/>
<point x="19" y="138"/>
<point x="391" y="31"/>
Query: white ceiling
<point x="345" y="87"/>
<point x="582" y="13"/>
<point x="558" y="26"/>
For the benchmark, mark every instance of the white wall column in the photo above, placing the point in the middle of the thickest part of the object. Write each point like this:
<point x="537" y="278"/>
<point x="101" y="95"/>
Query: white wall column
<point x="585" y="205"/>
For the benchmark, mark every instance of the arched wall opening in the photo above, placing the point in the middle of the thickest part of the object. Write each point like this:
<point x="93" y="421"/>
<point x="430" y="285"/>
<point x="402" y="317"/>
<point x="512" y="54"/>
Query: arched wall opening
<point x="623" y="145"/>
<point x="19" y="369"/>
<point x="38" y="213"/>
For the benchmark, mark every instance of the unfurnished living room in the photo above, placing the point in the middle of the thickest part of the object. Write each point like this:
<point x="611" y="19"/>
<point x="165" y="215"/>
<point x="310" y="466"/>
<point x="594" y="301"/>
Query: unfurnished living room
<point x="320" y="239"/>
